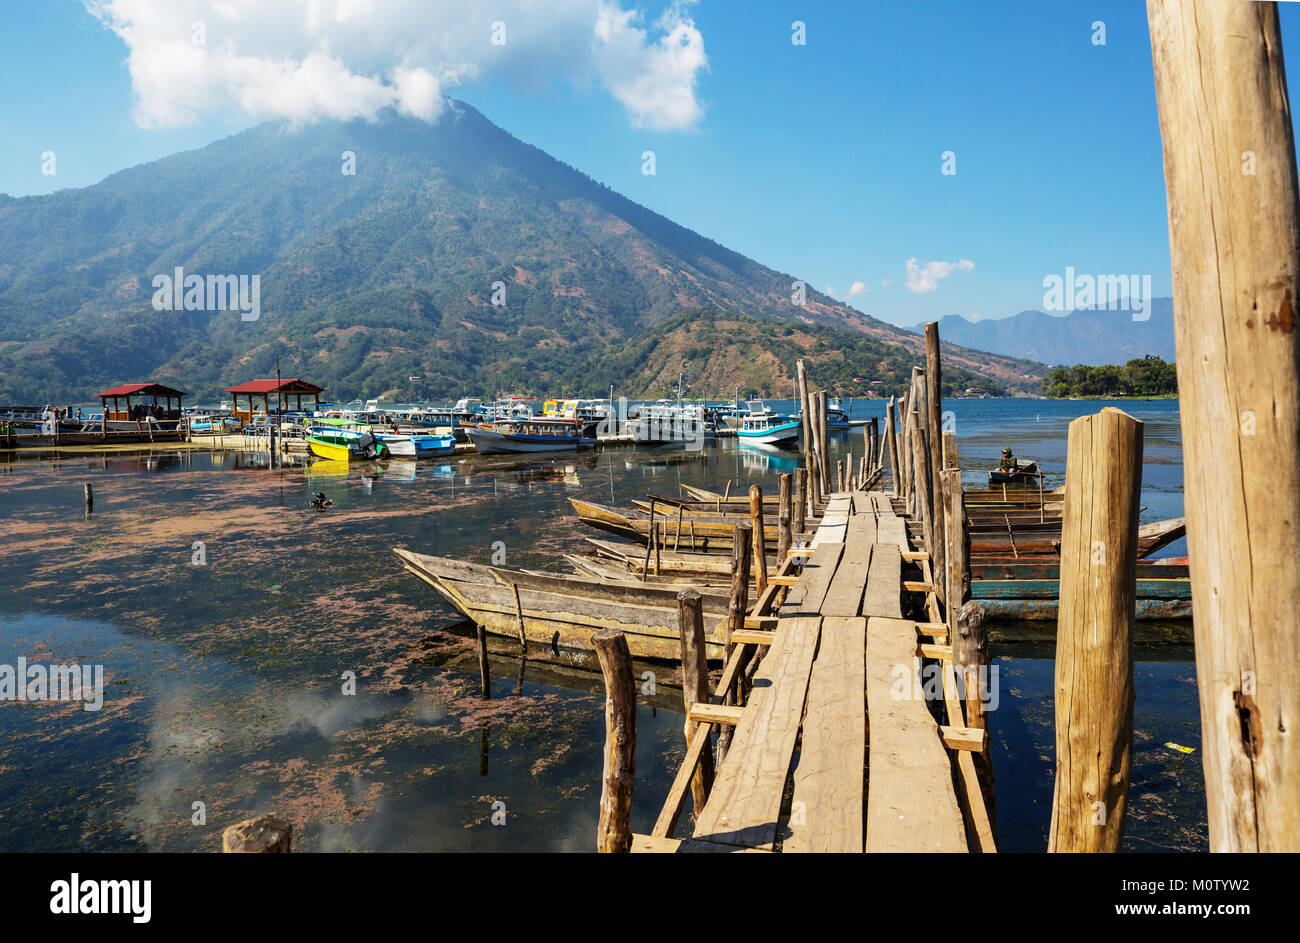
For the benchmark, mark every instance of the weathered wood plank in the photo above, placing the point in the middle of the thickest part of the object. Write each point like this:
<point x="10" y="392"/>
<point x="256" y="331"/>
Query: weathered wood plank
<point x="844" y="598"/>
<point x="745" y="804"/>
<point x="828" y="788"/>
<point x="911" y="805"/>
<point x="807" y="596"/>
<point x="884" y="593"/>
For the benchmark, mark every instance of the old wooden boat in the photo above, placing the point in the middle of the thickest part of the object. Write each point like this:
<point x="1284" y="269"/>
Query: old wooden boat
<point x="1026" y="474"/>
<point x="504" y="436"/>
<point x="565" y="611"/>
<point x="1030" y="591"/>
<point x="694" y="533"/>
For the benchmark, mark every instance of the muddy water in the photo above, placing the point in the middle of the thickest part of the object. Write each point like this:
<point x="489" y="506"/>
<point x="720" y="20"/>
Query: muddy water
<point x="230" y="619"/>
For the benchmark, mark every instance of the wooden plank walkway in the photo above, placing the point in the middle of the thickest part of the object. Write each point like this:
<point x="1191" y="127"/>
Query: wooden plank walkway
<point x="837" y="748"/>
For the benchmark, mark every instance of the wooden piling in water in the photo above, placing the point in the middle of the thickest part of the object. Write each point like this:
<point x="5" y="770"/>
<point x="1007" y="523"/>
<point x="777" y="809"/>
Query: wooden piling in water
<point x="737" y="606"/>
<point x="267" y="834"/>
<point x="90" y="499"/>
<point x="695" y="685"/>
<point x="800" y="499"/>
<point x="759" y="533"/>
<point x="823" y="440"/>
<point x="1221" y="91"/>
<point x="614" y="826"/>
<point x="1094" y="640"/>
<point x="809" y="434"/>
<point x="891" y="447"/>
<point x="785" y="510"/>
<point x="484" y="675"/>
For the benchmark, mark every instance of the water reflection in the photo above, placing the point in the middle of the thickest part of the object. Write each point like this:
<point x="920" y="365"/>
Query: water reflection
<point x="225" y="679"/>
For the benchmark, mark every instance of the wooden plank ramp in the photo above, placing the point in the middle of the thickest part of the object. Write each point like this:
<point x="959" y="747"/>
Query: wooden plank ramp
<point x="831" y="752"/>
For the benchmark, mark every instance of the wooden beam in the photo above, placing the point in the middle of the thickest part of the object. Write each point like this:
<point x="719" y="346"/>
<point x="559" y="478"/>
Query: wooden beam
<point x="614" y="826"/>
<point x="695" y="684"/>
<point x="1230" y="176"/>
<point x="1094" y="636"/>
<point x="714" y="714"/>
<point x="828" y="803"/>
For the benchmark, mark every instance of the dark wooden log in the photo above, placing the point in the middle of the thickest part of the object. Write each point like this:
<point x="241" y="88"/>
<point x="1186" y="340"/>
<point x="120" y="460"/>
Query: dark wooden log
<point x="614" y="826"/>
<point x="695" y="686"/>
<point x="1094" y="639"/>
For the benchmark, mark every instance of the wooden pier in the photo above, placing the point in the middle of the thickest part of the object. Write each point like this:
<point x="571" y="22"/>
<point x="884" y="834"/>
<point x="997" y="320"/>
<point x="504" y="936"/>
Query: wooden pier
<point x="850" y="649"/>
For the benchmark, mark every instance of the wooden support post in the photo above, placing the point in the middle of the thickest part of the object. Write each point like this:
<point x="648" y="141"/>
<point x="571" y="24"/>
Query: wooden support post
<point x="519" y="615"/>
<point x="934" y="429"/>
<point x="809" y="428"/>
<point x="614" y="827"/>
<point x="485" y="678"/>
<point x="839" y="475"/>
<point x="956" y="536"/>
<point x="891" y="447"/>
<point x="800" y="499"/>
<point x="760" y="545"/>
<point x="785" y="513"/>
<point x="924" y="499"/>
<point x="90" y="499"/>
<point x="823" y="440"/>
<point x="950" y="459"/>
<point x="737" y="606"/>
<point x="695" y="686"/>
<point x="268" y="834"/>
<point x="1094" y="639"/>
<point x="1221" y="90"/>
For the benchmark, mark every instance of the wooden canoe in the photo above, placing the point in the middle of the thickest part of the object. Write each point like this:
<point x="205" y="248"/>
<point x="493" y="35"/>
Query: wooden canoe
<point x="698" y="533"/>
<point x="565" y="611"/>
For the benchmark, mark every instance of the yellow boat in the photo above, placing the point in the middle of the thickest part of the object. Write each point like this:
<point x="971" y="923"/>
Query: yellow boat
<point x="331" y="451"/>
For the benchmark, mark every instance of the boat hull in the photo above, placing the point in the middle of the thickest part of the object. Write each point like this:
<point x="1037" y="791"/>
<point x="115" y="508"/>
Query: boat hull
<point x="553" y="611"/>
<point x="490" y="442"/>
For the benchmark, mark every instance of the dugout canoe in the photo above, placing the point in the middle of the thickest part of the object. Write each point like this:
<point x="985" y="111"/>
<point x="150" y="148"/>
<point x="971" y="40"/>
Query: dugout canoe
<point x="565" y="611"/>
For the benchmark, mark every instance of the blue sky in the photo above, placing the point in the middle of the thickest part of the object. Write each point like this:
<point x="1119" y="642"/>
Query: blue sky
<point x="822" y="160"/>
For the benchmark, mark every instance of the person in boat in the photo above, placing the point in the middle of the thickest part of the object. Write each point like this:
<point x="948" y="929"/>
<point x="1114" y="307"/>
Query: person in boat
<point x="1008" y="463"/>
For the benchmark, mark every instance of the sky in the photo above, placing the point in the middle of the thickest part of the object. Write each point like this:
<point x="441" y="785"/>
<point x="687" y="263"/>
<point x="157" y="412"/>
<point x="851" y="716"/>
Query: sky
<point x="823" y="158"/>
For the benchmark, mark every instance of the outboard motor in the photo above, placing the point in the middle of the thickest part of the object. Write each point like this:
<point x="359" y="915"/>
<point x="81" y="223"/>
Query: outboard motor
<point x="367" y="446"/>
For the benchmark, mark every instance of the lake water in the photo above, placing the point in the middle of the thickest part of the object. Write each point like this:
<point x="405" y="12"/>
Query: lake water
<point x="229" y="617"/>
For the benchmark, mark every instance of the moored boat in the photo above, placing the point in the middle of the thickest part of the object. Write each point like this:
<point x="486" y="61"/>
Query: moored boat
<point x="505" y="436"/>
<point x="565" y="611"/>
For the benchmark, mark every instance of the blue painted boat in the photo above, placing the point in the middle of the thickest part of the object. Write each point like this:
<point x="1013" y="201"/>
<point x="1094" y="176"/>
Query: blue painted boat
<point x="505" y="436"/>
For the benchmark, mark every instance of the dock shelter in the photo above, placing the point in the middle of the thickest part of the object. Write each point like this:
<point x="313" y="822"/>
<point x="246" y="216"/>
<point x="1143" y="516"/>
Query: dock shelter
<point x="283" y="390"/>
<point x="149" y="395"/>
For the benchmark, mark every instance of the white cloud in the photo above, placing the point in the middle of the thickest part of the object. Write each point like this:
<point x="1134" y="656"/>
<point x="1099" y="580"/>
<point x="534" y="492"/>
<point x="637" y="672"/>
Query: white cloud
<point x="858" y="288"/>
<point x="925" y="278"/>
<point x="655" y="81"/>
<point x="303" y="60"/>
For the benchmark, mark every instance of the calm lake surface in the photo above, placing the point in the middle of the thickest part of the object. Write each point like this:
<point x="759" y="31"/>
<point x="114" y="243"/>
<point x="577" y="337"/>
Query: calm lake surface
<point x="224" y="678"/>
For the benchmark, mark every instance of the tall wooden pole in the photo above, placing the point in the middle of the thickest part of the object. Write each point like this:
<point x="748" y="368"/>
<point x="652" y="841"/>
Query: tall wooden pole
<point x="614" y="826"/>
<point x="891" y="443"/>
<point x="1094" y="635"/>
<point x="1230" y="176"/>
<point x="784" y="513"/>
<point x="737" y="606"/>
<point x="934" y="425"/>
<point x="823" y="440"/>
<point x="695" y="686"/>
<point x="759" y="537"/>
<point x="805" y="407"/>
<point x="800" y="499"/>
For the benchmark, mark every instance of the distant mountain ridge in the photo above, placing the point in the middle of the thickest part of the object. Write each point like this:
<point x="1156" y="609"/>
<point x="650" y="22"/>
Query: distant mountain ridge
<point x="370" y="279"/>
<point x="1093" y="337"/>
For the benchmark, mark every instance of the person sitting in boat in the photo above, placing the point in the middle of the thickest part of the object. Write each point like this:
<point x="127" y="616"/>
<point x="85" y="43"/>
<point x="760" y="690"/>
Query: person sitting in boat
<point x="1009" y="463"/>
